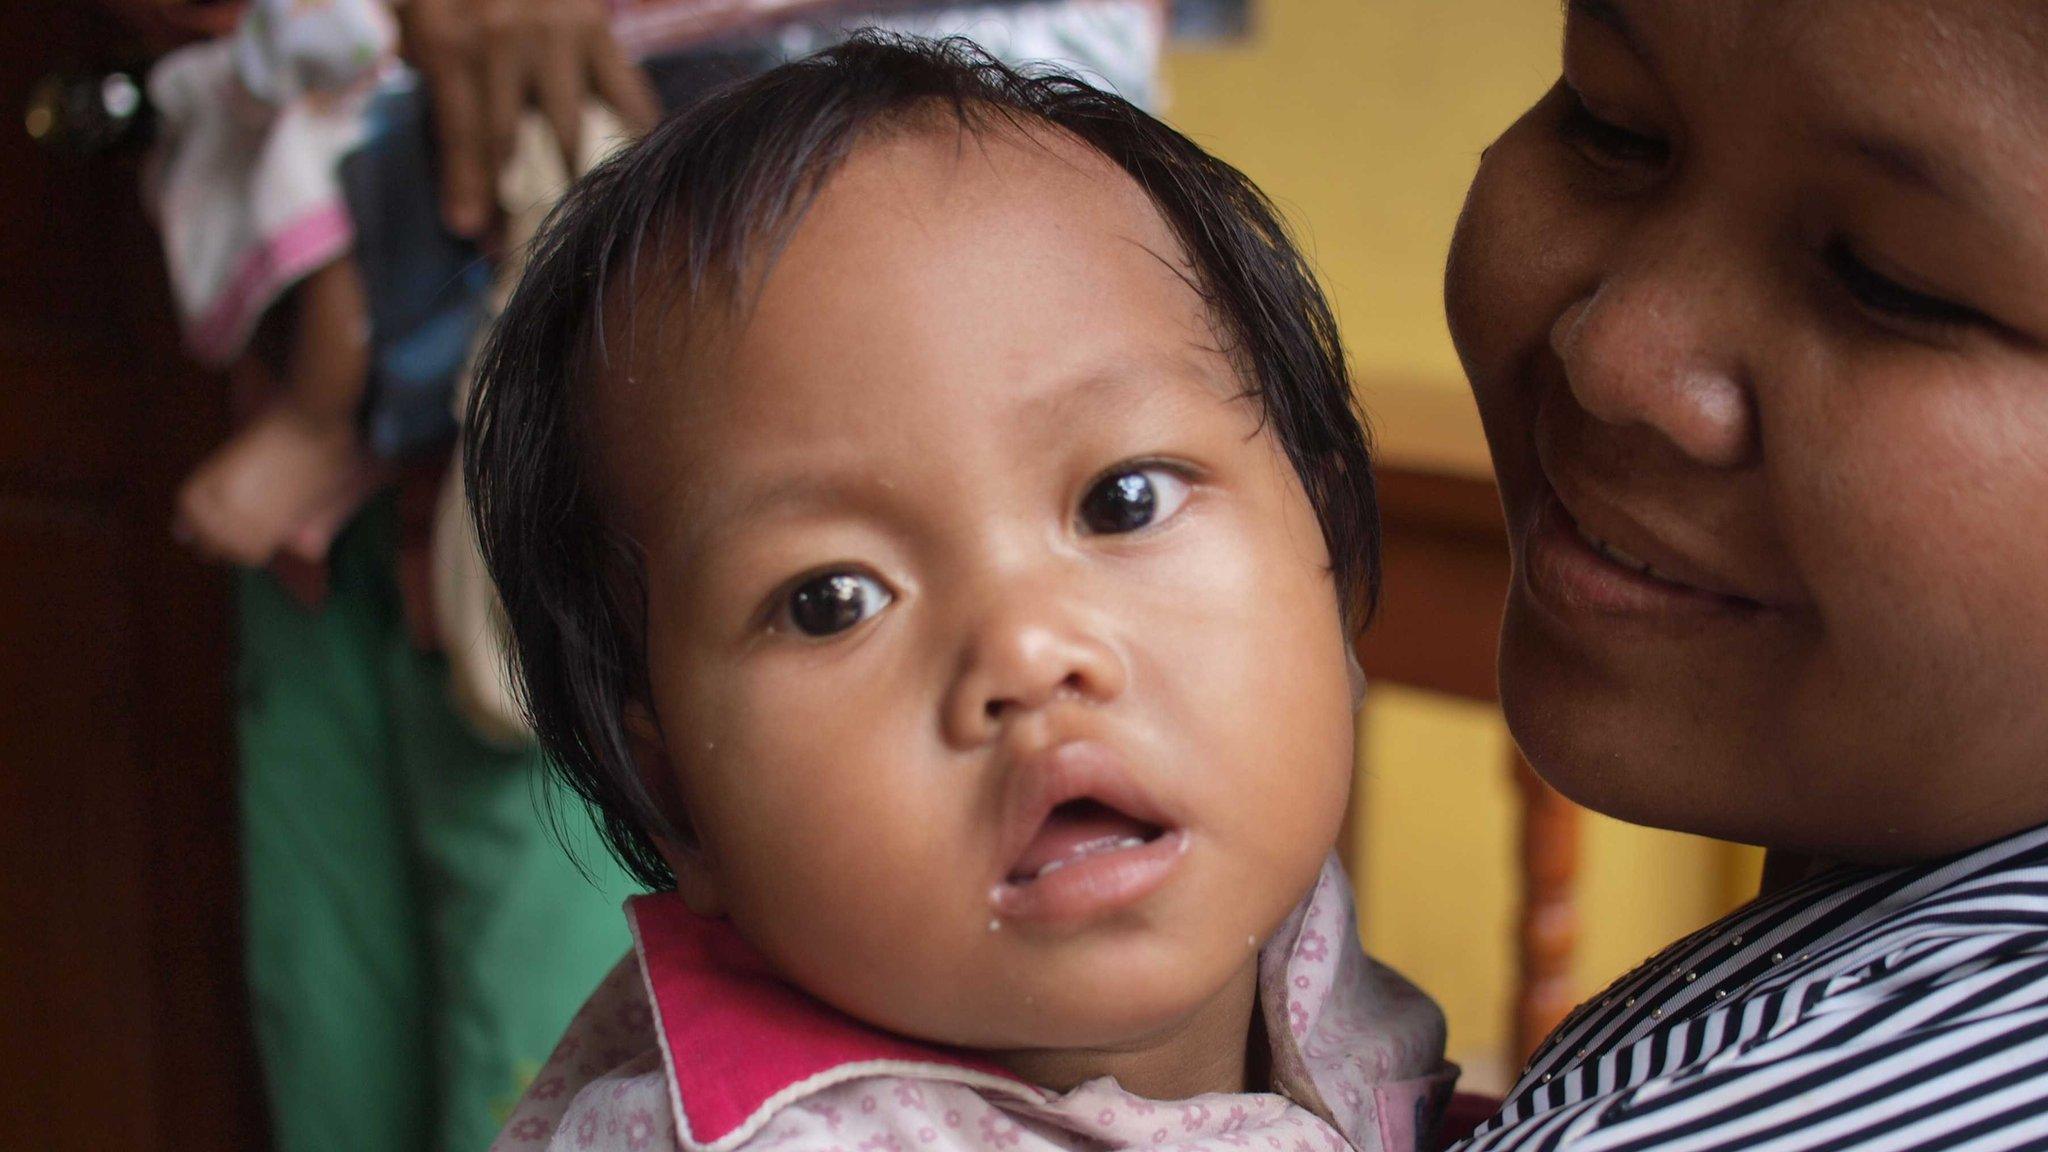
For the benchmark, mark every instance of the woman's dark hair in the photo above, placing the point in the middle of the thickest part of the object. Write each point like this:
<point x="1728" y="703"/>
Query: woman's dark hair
<point x="705" y="200"/>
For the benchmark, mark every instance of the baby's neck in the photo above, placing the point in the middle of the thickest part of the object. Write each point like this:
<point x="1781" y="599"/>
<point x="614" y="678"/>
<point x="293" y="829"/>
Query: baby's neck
<point x="1209" y="1050"/>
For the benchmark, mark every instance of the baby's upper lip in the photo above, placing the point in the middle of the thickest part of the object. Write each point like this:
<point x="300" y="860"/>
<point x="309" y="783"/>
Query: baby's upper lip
<point x="1066" y="771"/>
<point x="1606" y="521"/>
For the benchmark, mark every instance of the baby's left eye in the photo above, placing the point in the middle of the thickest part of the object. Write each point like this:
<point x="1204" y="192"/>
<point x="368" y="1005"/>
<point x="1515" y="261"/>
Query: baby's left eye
<point x="834" y="602"/>
<point x="1129" y="500"/>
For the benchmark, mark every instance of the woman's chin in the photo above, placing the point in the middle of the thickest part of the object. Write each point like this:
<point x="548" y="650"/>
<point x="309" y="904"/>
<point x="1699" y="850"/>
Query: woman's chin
<point x="1642" y="762"/>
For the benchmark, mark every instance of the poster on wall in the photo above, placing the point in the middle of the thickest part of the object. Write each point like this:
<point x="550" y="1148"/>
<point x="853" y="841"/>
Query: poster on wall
<point x="1212" y="19"/>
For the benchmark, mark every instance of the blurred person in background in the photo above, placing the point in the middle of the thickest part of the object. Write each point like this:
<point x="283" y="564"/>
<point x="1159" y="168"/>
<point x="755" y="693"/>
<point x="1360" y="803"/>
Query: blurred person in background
<point x="415" y="932"/>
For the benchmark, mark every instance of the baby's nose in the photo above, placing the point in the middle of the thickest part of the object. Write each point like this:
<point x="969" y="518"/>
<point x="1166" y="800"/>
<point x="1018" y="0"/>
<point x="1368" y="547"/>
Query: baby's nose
<point x="1026" y="657"/>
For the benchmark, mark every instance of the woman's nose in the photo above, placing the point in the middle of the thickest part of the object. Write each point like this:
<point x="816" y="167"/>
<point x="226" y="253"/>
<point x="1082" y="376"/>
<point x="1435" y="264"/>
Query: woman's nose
<point x="1034" y="650"/>
<point x="1656" y="347"/>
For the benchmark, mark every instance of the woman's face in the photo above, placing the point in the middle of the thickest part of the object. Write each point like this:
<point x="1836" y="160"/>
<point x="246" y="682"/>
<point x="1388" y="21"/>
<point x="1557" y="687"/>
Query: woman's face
<point x="1755" y="305"/>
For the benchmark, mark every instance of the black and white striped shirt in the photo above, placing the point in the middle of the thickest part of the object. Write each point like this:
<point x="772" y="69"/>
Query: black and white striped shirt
<point x="1874" y="1010"/>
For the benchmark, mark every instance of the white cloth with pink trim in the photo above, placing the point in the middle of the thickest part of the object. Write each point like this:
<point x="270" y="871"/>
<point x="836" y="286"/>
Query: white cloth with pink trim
<point x="245" y="185"/>
<point x="693" y="1044"/>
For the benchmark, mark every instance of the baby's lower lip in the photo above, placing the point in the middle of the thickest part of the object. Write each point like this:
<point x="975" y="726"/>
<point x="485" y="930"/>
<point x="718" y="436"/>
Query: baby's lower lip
<point x="1093" y="884"/>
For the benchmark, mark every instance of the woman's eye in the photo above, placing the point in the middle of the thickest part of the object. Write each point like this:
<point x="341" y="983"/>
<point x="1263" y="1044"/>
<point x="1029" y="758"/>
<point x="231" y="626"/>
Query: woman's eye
<point x="832" y="603"/>
<point x="1131" y="499"/>
<point x="1889" y="298"/>
<point x="1606" y="141"/>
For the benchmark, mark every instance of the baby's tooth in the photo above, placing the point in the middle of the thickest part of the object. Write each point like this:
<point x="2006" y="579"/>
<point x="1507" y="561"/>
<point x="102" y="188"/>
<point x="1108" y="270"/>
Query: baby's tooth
<point x="1089" y="848"/>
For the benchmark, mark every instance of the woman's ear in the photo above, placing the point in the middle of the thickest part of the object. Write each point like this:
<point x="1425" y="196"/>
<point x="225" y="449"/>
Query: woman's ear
<point x="696" y="876"/>
<point x="1356" y="675"/>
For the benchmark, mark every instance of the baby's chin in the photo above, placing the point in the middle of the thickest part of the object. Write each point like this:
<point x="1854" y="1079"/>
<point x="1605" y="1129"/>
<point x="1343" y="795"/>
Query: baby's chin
<point x="1110" y="1002"/>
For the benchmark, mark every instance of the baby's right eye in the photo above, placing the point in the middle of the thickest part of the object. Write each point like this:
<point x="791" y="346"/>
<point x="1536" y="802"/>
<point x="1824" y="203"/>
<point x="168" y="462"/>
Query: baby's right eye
<point x="832" y="603"/>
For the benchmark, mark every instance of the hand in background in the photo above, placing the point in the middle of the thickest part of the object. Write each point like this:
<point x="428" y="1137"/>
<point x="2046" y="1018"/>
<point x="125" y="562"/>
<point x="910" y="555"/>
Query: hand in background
<point x="169" y="23"/>
<point x="486" y="61"/>
<point x="292" y="473"/>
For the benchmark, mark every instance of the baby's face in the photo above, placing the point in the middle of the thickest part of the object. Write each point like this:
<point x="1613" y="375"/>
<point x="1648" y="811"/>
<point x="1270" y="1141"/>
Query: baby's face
<point x="1755" y="297"/>
<point x="994" y="643"/>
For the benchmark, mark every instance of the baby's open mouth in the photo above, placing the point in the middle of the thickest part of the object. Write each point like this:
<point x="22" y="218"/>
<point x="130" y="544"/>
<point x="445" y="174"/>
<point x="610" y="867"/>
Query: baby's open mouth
<point x="1084" y="839"/>
<point x="1078" y="830"/>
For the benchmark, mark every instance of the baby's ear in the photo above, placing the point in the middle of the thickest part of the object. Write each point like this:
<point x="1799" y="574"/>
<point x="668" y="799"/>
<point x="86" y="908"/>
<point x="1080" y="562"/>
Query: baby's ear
<point x="1356" y="675"/>
<point x="696" y="878"/>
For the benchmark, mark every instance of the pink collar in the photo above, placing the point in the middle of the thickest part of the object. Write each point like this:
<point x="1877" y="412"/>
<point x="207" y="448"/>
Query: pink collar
<point x="1352" y="1042"/>
<point x="750" y="1043"/>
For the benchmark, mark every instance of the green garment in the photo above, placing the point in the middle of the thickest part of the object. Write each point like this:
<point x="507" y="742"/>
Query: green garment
<point x="417" y="936"/>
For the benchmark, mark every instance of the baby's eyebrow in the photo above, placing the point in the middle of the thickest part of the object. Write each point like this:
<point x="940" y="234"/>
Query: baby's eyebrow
<point x="1157" y="383"/>
<point x="1157" y="375"/>
<point x="1094" y="389"/>
<point x="798" y="489"/>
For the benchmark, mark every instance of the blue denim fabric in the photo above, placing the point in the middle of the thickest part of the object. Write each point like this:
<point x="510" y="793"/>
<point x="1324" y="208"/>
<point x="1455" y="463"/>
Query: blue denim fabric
<point x="426" y="287"/>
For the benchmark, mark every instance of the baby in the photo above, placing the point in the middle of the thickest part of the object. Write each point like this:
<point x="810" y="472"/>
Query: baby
<point x="932" y="517"/>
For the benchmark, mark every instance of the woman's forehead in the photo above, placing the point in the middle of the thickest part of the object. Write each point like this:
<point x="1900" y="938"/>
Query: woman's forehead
<point x="1985" y="58"/>
<point x="1951" y="95"/>
<point x="1994" y="50"/>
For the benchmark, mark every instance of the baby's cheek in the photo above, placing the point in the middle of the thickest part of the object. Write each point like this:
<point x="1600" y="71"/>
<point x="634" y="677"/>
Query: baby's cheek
<point x="1285" y="728"/>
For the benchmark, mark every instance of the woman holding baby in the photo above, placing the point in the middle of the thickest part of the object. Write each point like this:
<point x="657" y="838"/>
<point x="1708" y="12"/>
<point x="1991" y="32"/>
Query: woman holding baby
<point x="1751" y="303"/>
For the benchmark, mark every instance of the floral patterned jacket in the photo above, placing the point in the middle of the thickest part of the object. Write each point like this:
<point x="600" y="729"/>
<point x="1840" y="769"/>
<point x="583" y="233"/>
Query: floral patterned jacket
<point x="692" y="1045"/>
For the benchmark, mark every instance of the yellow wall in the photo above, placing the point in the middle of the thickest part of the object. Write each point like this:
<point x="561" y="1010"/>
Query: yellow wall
<point x="1434" y="855"/>
<point x="1364" y="119"/>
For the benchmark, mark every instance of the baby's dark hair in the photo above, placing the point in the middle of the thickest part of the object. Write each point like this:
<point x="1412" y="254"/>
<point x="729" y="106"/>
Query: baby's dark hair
<point x="705" y="200"/>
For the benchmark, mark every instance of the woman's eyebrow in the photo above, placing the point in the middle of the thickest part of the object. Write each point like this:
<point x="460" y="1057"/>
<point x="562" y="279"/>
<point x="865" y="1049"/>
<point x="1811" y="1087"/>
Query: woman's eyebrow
<point x="1931" y="171"/>
<point x="1609" y="15"/>
<point x="1903" y="162"/>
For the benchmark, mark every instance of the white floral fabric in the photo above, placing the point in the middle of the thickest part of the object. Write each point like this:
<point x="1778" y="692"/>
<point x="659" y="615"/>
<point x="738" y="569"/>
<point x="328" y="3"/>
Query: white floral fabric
<point x="1357" y="1062"/>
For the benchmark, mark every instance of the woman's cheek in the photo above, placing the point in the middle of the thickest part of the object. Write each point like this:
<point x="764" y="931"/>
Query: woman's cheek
<point x="1503" y="270"/>
<point x="1500" y="307"/>
<point x="1921" y="511"/>
<point x="1468" y="276"/>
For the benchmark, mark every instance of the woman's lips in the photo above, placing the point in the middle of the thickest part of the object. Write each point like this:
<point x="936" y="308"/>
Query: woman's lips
<point x="1570" y="569"/>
